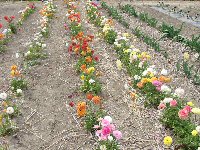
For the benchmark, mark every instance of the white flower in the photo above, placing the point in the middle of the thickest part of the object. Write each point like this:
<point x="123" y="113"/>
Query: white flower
<point x="108" y="118"/>
<point x="126" y="86"/>
<point x="196" y="55"/>
<point x="198" y="148"/>
<point x="198" y="129"/>
<point x="165" y="88"/>
<point x="110" y="138"/>
<point x="19" y="91"/>
<point x="17" y="55"/>
<point x="179" y="92"/>
<point x="5" y="31"/>
<point x="136" y="77"/>
<point x="91" y="81"/>
<point x="167" y="100"/>
<point x="140" y="65"/>
<point x="9" y="110"/>
<point x="3" y="96"/>
<point x="44" y="45"/>
<point x="27" y="53"/>
<point x="103" y="147"/>
<point x="119" y="64"/>
<point x="144" y="73"/>
<point x="164" y="72"/>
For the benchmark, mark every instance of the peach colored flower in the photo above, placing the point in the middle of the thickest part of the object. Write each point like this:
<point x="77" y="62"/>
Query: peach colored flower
<point x="183" y="114"/>
<point x="173" y="103"/>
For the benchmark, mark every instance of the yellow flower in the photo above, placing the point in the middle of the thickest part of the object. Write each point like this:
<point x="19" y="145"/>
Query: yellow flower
<point x="194" y="132"/>
<point x="190" y="104"/>
<point x="91" y="69"/>
<point x="144" y="80"/>
<point x="119" y="64"/>
<point x="82" y="77"/>
<point x="167" y="141"/>
<point x="186" y="56"/>
<point x="196" y="111"/>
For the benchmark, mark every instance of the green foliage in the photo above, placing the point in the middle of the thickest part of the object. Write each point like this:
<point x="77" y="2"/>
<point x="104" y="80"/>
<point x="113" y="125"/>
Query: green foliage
<point x="7" y="127"/>
<point x="18" y="84"/>
<point x="75" y="28"/>
<point x="182" y="128"/>
<point x="194" y="43"/>
<point x="170" y="31"/>
<point x="130" y="10"/>
<point x="187" y="69"/>
<point x="110" y="145"/>
<point x="13" y="28"/>
<point x="110" y="36"/>
<point x="92" y="116"/>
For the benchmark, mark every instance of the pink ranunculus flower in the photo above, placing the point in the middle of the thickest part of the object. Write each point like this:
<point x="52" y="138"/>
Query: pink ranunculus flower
<point x="112" y="126"/>
<point x="157" y="83"/>
<point x="105" y="122"/>
<point x="188" y="108"/>
<point x="158" y="88"/>
<point x="173" y="103"/>
<point x="162" y="106"/>
<point x="106" y="131"/>
<point x="117" y="134"/>
<point x="96" y="126"/>
<point x="183" y="114"/>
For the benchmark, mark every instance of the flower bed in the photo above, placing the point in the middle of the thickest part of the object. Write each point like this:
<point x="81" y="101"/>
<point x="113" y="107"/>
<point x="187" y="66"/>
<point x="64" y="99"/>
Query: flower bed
<point x="177" y="112"/>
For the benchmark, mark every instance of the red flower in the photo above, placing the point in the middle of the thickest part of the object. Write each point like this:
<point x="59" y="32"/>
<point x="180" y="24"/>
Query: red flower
<point x="6" y="18"/>
<point x="96" y="58"/>
<point x="71" y="104"/>
<point x="1" y="26"/>
<point x="13" y="17"/>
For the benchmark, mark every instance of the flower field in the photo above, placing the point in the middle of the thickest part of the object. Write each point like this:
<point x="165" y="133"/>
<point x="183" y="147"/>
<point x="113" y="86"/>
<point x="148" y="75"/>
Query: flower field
<point x="102" y="75"/>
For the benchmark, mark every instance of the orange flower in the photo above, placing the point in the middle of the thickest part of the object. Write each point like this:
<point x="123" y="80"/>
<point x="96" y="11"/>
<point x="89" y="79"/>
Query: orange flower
<point x="4" y="104"/>
<point x="140" y="85"/>
<point x="83" y="67"/>
<point x="96" y="99"/>
<point x="88" y="59"/>
<point x="89" y="96"/>
<point x="153" y="79"/>
<point x="1" y="36"/>
<point x="14" y="67"/>
<point x="164" y="79"/>
<point x="81" y="109"/>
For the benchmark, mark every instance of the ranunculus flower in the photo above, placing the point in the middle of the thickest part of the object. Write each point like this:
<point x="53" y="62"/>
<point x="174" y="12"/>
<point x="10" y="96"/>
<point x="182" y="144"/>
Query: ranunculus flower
<point x="117" y="134"/>
<point x="71" y="104"/>
<point x="108" y="118"/>
<point x="173" y="103"/>
<point x="164" y="72"/>
<point x="167" y="100"/>
<point x="188" y="108"/>
<point x="105" y="122"/>
<point x="106" y="131"/>
<point x="179" y="92"/>
<point x="168" y="141"/>
<point x="6" y="18"/>
<point x="1" y="25"/>
<point x="183" y="114"/>
<point x="162" y="106"/>
<point x="13" y="17"/>
<point x="3" y="96"/>
<point x="9" y="110"/>
<point x="157" y="83"/>
<point x="96" y="58"/>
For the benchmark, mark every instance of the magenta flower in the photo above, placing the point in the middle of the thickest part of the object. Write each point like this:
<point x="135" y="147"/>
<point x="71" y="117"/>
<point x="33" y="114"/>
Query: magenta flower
<point x="106" y="131"/>
<point x="117" y="134"/>
<point x="157" y="83"/>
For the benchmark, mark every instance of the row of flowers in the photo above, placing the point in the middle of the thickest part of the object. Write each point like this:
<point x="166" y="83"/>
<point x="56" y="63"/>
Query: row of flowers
<point x="12" y="27"/>
<point x="91" y="111"/>
<point x="177" y="112"/>
<point x="11" y="99"/>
